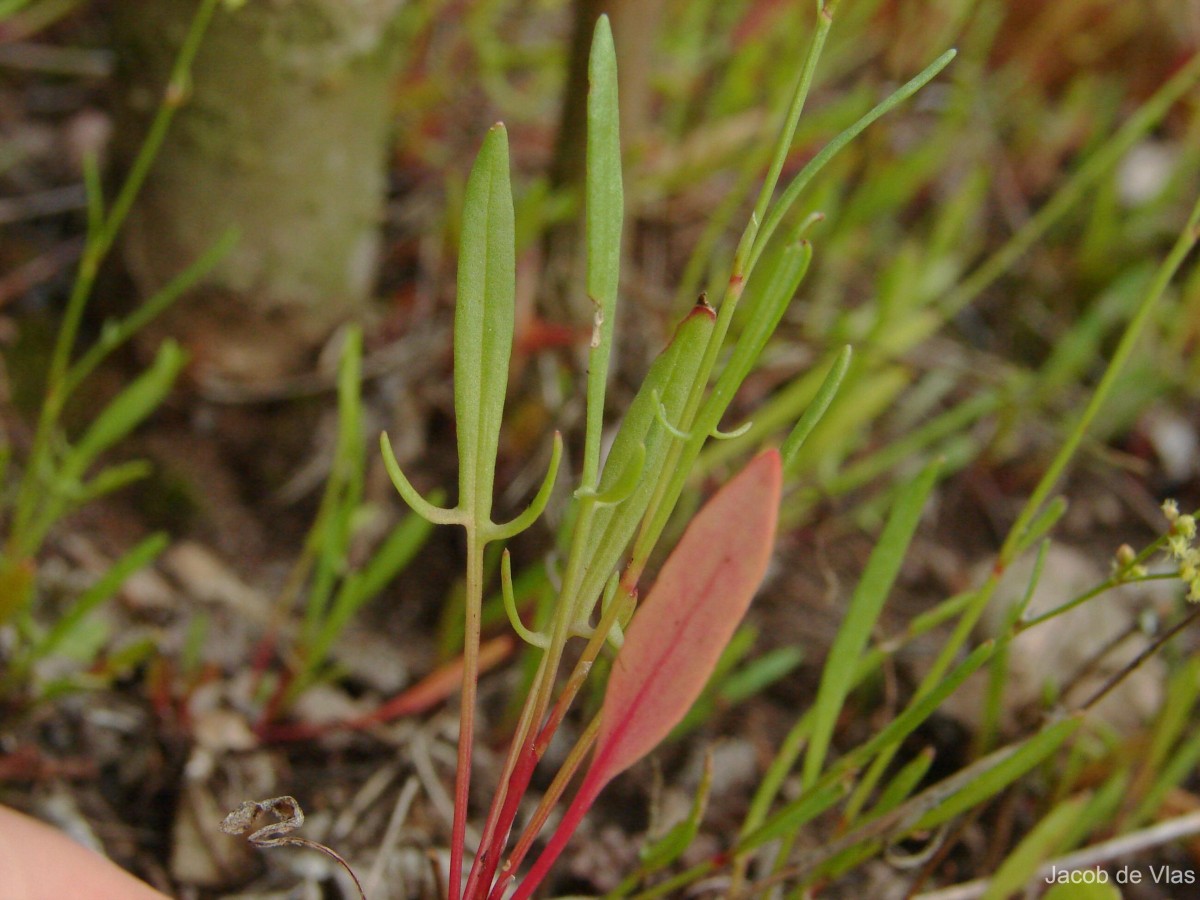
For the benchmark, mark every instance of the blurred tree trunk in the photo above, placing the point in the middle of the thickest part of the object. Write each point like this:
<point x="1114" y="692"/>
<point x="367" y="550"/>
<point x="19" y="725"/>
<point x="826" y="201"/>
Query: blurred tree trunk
<point x="284" y="136"/>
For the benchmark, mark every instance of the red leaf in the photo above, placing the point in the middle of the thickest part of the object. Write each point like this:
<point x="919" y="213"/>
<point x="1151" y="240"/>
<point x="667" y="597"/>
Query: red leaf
<point x="678" y="633"/>
<point x="689" y="616"/>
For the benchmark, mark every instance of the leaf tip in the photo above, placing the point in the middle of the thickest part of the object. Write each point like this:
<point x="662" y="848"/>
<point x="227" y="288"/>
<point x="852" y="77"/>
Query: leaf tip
<point x="603" y="32"/>
<point x="771" y="461"/>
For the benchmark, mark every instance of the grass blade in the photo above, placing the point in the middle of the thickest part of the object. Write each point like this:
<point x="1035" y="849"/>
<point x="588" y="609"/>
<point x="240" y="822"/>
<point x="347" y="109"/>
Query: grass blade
<point x="800" y="182"/>
<point x="107" y="585"/>
<point x="865" y="606"/>
<point x="1006" y="766"/>
<point x="1044" y="841"/>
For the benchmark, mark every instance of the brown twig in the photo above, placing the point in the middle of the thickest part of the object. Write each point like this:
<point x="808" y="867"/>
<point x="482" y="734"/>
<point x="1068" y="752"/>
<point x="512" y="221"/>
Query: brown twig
<point x="1150" y="650"/>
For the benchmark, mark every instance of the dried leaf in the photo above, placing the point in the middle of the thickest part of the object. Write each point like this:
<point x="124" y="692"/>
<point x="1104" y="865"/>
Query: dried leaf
<point x="279" y="834"/>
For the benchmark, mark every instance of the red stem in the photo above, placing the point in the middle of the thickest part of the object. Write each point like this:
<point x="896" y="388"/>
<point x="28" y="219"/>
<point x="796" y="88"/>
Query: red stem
<point x="542" y="813"/>
<point x="534" y="749"/>
<point x="466" y="719"/>
<point x="517" y="785"/>
<point x="489" y="848"/>
<point x="588" y="791"/>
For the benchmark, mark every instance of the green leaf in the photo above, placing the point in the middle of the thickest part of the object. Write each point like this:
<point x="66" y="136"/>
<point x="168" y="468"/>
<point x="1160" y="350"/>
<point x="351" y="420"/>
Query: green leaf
<point x="126" y="411"/>
<point x="483" y="322"/>
<point x="506" y="530"/>
<point x="661" y="853"/>
<point x="769" y="292"/>
<point x="960" y="792"/>
<point x="329" y="539"/>
<point x="11" y="7"/>
<point x="861" y="616"/>
<point x="1174" y="747"/>
<point x="112" y="479"/>
<point x="890" y="736"/>
<point x="896" y="791"/>
<point x="1125" y="349"/>
<point x="920" y="708"/>
<point x="1083" y="892"/>
<point x="1042" y="523"/>
<point x="104" y="588"/>
<point x="114" y="334"/>
<point x="818" y="162"/>
<point x="438" y="515"/>
<point x="904" y="783"/>
<point x="667" y="383"/>
<point x="604" y="210"/>
<point x="768" y="295"/>
<point x="1043" y="842"/>
<point x="125" y="659"/>
<point x="669" y="377"/>
<point x="396" y="552"/>
<point x="797" y="814"/>
<point x="1101" y="809"/>
<point x="816" y="409"/>
<point x="995" y="772"/>
<point x="759" y="674"/>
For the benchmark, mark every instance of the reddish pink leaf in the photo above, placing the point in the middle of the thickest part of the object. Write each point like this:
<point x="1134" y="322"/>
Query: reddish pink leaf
<point x="678" y="633"/>
<point x="689" y="616"/>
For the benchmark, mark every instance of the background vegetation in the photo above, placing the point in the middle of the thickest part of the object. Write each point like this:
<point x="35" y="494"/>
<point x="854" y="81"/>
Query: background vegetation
<point x="209" y="591"/>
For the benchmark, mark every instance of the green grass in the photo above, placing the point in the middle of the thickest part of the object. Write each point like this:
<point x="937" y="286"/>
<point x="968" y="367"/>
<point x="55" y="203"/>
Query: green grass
<point x="921" y="269"/>
<point x="930" y="281"/>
